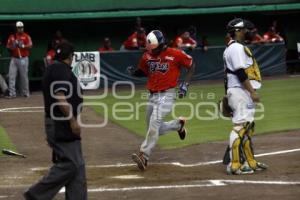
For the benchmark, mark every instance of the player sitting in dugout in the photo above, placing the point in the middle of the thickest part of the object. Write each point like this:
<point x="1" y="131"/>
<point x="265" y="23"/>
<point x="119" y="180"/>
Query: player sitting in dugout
<point x="135" y="41"/>
<point x="255" y="37"/>
<point x="185" y="41"/>
<point x="106" y="45"/>
<point x="272" y="36"/>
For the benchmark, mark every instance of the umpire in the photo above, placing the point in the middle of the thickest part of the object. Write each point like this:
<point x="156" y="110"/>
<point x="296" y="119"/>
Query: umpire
<point x="62" y="106"/>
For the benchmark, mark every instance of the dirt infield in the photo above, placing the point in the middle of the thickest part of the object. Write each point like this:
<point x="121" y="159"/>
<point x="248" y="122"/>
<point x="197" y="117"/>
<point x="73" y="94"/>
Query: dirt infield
<point x="185" y="173"/>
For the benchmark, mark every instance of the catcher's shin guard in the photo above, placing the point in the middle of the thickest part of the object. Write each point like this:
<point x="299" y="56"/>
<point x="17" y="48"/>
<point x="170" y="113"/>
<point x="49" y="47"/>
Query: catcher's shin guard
<point x="248" y="151"/>
<point x="235" y="142"/>
<point x="250" y="129"/>
<point x="247" y="145"/>
<point x="236" y="147"/>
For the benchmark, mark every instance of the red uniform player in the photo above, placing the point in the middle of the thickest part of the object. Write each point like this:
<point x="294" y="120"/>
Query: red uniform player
<point x="50" y="57"/>
<point x="184" y="41"/>
<point x="136" y="41"/>
<point x="19" y="45"/>
<point x="106" y="46"/>
<point x="162" y="67"/>
<point x="272" y="36"/>
<point x="163" y="70"/>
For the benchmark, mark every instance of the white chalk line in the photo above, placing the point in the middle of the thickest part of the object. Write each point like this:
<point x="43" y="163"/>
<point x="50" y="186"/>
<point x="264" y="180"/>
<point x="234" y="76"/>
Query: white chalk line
<point x="200" y="184"/>
<point x="178" y="164"/>
<point x="124" y="189"/>
<point x="127" y="177"/>
<point x="5" y="197"/>
<point x="23" y="109"/>
<point x="208" y="183"/>
<point x="13" y="186"/>
<point x="260" y="182"/>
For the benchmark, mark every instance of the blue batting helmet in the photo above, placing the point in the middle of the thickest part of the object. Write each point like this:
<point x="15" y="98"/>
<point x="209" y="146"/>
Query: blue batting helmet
<point x="155" y="39"/>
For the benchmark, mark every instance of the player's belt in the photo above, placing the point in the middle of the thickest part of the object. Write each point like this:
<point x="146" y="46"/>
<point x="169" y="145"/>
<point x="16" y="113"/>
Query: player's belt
<point x="236" y="87"/>
<point x="154" y="92"/>
<point x="160" y="91"/>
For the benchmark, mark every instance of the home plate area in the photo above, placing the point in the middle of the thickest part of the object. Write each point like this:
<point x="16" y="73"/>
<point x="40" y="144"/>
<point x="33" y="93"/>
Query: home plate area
<point x="204" y="179"/>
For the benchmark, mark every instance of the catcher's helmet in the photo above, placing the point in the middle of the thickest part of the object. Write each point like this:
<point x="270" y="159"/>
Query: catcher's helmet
<point x="235" y="24"/>
<point x="155" y="39"/>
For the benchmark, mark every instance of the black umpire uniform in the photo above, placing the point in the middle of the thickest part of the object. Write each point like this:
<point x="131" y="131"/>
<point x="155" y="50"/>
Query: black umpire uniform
<point x="69" y="167"/>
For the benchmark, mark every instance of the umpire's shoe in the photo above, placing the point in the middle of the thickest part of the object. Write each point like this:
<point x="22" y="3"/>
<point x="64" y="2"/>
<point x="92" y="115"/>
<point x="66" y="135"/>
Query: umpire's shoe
<point x="140" y="160"/>
<point x="182" y="132"/>
<point x="28" y="196"/>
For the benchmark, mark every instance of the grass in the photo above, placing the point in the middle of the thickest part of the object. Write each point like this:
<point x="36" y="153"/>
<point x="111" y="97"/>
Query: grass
<point x="280" y="99"/>
<point x="5" y="142"/>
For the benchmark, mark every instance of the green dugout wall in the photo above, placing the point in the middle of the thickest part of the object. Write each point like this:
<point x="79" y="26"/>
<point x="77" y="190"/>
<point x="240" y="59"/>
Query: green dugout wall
<point x="85" y="23"/>
<point x="87" y="35"/>
<point x="209" y="65"/>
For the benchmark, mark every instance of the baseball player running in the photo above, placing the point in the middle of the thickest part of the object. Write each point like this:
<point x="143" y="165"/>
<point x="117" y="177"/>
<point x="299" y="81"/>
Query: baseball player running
<point x="243" y="79"/>
<point x="162" y="67"/>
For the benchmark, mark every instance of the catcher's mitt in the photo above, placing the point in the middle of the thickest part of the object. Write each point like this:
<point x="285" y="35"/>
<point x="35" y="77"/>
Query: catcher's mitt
<point x="224" y="107"/>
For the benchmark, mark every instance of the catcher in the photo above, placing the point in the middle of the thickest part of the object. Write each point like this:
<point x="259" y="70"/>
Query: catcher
<point x="242" y="81"/>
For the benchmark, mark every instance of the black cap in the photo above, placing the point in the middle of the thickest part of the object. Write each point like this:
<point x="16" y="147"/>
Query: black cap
<point x="64" y="50"/>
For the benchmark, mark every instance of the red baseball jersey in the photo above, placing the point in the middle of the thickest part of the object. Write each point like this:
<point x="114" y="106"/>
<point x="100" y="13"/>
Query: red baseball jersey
<point x="257" y="38"/>
<point x="179" y="41"/>
<point x="135" y="41"/>
<point x="22" y="38"/>
<point x="272" y="37"/>
<point x="50" y="56"/>
<point x="163" y="70"/>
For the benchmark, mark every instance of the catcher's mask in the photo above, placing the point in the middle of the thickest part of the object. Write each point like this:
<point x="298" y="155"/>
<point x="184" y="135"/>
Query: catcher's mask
<point x="235" y="25"/>
<point x="238" y="24"/>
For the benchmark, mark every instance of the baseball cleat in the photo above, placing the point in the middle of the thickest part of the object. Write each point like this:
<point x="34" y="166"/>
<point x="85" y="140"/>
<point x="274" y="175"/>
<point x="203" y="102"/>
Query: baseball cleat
<point x="182" y="132"/>
<point x="10" y="97"/>
<point x="261" y="166"/>
<point x="140" y="161"/>
<point x="241" y="171"/>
